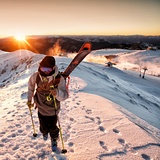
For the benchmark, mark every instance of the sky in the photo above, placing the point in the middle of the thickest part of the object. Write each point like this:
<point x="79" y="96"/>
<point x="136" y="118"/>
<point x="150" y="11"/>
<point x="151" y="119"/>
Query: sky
<point x="79" y="17"/>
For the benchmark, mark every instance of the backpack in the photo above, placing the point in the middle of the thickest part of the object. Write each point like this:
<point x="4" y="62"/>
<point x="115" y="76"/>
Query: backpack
<point x="55" y="82"/>
<point x="43" y="96"/>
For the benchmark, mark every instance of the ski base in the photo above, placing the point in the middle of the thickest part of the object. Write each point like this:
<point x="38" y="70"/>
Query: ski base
<point x="82" y="53"/>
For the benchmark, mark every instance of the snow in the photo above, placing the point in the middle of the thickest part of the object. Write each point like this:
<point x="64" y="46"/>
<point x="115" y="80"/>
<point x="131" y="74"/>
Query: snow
<point x="111" y="113"/>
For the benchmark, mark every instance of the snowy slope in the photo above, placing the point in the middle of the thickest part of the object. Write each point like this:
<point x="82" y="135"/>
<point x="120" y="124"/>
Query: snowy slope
<point x="110" y="114"/>
<point x="134" y="60"/>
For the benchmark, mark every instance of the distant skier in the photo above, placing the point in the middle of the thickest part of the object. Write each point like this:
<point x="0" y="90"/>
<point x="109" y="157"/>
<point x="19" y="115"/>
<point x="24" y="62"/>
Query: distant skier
<point x="46" y="88"/>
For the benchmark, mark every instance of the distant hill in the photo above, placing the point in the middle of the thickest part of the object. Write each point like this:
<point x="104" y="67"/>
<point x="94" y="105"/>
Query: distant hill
<point x="41" y="44"/>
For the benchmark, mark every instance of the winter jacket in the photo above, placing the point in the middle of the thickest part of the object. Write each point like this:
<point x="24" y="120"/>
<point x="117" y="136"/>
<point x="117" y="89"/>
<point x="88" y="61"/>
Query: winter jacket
<point x="39" y="92"/>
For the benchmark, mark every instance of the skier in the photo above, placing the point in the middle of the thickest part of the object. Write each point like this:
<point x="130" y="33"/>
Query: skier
<point x="46" y="88"/>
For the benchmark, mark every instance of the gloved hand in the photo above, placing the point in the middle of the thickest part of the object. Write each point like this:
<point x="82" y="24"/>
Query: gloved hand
<point x="29" y="104"/>
<point x="54" y="92"/>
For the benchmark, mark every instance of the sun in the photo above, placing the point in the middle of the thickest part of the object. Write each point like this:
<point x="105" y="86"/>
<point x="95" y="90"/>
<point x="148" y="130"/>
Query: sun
<point x="20" y="37"/>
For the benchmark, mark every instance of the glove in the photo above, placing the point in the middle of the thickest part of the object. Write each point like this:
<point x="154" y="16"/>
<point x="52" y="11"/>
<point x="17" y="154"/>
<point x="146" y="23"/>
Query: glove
<point x="29" y="104"/>
<point x="54" y="92"/>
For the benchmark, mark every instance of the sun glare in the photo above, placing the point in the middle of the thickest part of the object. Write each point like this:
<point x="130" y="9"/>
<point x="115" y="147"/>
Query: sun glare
<point x="20" y="37"/>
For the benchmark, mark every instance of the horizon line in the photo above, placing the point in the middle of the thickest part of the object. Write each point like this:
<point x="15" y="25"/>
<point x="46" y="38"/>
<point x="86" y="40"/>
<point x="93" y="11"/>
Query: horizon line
<point x="1" y="37"/>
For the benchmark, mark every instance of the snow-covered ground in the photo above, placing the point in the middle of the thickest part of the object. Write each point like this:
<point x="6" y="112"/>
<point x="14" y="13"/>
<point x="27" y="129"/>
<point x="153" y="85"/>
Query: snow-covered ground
<point x="111" y="113"/>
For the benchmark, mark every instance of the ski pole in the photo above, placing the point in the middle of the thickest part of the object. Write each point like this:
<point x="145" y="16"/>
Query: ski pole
<point x="60" y="130"/>
<point x="34" y="132"/>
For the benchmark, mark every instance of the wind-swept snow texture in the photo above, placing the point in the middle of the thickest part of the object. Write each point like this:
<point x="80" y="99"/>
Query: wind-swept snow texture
<point x="111" y="113"/>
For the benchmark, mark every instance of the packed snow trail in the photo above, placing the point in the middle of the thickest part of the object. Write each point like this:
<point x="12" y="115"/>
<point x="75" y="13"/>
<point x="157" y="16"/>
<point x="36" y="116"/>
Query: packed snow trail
<point x="92" y="129"/>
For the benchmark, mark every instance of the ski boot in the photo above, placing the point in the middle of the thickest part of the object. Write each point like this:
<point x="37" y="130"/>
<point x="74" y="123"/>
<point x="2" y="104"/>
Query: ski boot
<point x="53" y="145"/>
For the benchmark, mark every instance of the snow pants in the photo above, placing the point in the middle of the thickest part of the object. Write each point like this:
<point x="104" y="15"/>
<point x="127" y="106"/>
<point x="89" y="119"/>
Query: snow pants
<point x="48" y="124"/>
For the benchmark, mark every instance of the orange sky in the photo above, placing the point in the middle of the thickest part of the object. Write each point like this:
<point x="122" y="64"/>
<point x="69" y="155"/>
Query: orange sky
<point x="79" y="17"/>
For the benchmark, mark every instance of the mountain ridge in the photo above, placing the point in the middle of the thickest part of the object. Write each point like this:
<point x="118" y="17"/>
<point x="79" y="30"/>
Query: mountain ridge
<point x="41" y="44"/>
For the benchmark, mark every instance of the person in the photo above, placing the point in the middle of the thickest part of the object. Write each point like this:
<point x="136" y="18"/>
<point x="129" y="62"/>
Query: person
<point x="46" y="88"/>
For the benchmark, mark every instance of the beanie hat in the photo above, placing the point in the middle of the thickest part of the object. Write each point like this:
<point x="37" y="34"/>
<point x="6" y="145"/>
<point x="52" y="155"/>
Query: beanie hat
<point x="48" y="61"/>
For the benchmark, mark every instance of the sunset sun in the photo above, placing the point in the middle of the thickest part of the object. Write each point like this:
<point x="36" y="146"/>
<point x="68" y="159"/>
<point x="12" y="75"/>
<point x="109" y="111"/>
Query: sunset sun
<point x="20" y="37"/>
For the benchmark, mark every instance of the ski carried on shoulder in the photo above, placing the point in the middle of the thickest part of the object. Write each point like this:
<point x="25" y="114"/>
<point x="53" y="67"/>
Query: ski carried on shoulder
<point x="82" y="53"/>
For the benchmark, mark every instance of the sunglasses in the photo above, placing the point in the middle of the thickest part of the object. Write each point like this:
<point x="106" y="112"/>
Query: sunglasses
<point x="46" y="69"/>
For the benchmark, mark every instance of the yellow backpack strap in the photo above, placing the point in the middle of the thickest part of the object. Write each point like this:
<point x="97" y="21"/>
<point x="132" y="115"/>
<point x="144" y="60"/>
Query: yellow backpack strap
<point x="56" y="80"/>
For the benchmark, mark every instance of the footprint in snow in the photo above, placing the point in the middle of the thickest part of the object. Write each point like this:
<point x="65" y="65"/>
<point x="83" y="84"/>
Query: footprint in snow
<point x="5" y="140"/>
<point x="117" y="131"/>
<point x="145" y="157"/>
<point x="10" y="112"/>
<point x="132" y="101"/>
<point x="1" y="145"/>
<point x="121" y="141"/>
<point x="78" y="103"/>
<point x="12" y="135"/>
<point x="2" y="133"/>
<point x="116" y="89"/>
<point x="88" y="111"/>
<point x="71" y="119"/>
<point x="10" y="120"/>
<point x="127" y="146"/>
<point x="4" y="116"/>
<point x="20" y="131"/>
<point x="71" y="144"/>
<point x="13" y="115"/>
<point x="101" y="128"/>
<point x="128" y="95"/>
<point x="24" y="95"/>
<point x="98" y="120"/>
<point x="17" y="125"/>
<point x="15" y="147"/>
<point x="83" y="107"/>
<point x="102" y="144"/>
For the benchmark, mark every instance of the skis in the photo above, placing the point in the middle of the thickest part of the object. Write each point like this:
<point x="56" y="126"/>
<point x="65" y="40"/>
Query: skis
<point x="82" y="53"/>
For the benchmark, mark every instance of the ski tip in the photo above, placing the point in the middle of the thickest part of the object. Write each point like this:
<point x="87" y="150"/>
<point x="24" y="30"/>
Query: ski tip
<point x="86" y="46"/>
